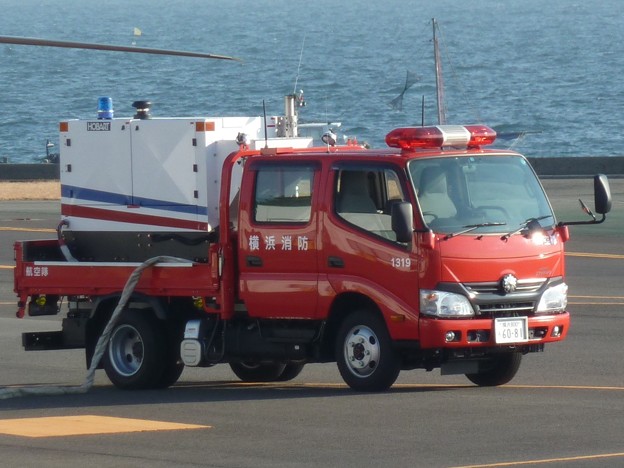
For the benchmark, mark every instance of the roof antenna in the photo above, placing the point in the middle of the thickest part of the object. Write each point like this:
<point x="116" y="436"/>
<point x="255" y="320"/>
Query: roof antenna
<point x="422" y="111"/>
<point x="266" y="136"/>
<point x="299" y="66"/>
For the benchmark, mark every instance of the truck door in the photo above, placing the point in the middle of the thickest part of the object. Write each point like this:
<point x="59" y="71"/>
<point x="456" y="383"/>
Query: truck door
<point x="360" y="251"/>
<point x="278" y="239"/>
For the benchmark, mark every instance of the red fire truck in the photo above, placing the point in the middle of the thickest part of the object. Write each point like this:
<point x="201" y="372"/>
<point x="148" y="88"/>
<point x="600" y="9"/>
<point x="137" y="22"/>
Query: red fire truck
<point x="432" y="253"/>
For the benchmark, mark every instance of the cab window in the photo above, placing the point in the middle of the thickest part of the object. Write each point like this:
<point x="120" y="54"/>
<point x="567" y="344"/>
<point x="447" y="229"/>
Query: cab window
<point x="364" y="198"/>
<point x="490" y="194"/>
<point x="283" y="194"/>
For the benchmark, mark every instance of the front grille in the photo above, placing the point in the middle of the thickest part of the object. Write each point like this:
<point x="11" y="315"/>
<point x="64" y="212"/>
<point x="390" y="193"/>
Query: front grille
<point x="490" y="300"/>
<point x="508" y="309"/>
<point x="524" y="286"/>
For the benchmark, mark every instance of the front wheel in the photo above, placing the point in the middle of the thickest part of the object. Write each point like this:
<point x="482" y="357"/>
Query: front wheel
<point x="364" y="353"/>
<point x="499" y="370"/>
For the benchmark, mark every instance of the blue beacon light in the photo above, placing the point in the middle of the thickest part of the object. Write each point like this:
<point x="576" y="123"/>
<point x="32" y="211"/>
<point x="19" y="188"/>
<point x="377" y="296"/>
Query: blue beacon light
<point x="105" y="108"/>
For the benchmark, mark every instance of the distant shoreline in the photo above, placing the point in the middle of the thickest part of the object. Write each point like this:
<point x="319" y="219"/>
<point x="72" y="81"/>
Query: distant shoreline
<point x="41" y="181"/>
<point x="578" y="166"/>
<point x="29" y="182"/>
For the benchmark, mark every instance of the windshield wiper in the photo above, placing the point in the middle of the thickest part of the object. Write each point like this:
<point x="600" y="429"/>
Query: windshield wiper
<point x="529" y="224"/>
<point x="472" y="227"/>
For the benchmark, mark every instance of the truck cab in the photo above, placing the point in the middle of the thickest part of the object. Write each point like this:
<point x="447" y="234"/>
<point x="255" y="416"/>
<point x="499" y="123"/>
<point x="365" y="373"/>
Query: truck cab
<point x="450" y="252"/>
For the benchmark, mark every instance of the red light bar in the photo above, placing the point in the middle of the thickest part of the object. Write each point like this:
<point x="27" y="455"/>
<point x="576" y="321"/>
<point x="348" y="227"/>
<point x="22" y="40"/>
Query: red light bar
<point x="469" y="136"/>
<point x="480" y="135"/>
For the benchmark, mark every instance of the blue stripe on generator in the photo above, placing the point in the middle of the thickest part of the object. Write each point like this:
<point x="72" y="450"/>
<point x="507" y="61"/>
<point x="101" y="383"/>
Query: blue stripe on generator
<point x="99" y="196"/>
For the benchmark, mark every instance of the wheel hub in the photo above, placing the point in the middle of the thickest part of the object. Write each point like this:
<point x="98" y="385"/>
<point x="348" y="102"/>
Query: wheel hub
<point x="362" y="351"/>
<point x="126" y="350"/>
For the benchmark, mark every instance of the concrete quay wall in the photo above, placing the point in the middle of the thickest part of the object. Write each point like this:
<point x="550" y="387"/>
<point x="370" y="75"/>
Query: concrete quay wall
<point x="581" y="166"/>
<point x="21" y="172"/>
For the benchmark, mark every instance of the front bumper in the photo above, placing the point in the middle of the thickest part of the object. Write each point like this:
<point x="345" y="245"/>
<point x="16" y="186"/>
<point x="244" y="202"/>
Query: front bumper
<point x="467" y="333"/>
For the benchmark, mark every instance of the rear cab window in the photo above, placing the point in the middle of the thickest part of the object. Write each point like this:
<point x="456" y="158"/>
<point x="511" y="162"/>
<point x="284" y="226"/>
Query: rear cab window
<point x="283" y="193"/>
<point x="364" y="197"/>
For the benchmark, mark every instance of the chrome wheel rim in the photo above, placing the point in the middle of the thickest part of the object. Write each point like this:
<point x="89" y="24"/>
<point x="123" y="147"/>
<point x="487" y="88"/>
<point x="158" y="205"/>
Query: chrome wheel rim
<point x="125" y="350"/>
<point x="362" y="351"/>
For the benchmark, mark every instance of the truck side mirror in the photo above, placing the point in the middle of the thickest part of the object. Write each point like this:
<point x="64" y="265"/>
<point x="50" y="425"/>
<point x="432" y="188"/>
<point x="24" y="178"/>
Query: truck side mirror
<point x="602" y="202"/>
<point x="602" y="194"/>
<point x="402" y="218"/>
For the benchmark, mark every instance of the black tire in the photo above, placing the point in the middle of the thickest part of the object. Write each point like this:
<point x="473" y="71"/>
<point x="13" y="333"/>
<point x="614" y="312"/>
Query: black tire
<point x="365" y="356"/>
<point x="249" y="371"/>
<point x="136" y="351"/>
<point x="173" y="367"/>
<point x="500" y="369"/>
<point x="291" y="370"/>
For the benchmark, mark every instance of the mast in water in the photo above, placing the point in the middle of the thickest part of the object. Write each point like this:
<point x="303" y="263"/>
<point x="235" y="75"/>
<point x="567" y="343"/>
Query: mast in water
<point x="438" y="75"/>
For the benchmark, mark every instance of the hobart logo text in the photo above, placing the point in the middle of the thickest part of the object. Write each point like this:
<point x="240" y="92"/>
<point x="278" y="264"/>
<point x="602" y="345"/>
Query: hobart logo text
<point x="98" y="126"/>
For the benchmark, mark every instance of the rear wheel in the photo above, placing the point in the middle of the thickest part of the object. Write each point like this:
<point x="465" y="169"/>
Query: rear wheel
<point x="136" y="352"/>
<point x="499" y="370"/>
<point x="172" y="367"/>
<point x="364" y="353"/>
<point x="249" y="371"/>
<point x="291" y="370"/>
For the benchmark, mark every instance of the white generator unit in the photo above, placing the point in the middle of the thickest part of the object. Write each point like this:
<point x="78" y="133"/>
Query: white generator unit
<point x="139" y="187"/>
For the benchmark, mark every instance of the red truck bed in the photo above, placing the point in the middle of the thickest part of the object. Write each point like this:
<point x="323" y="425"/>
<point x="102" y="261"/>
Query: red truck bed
<point x="41" y="269"/>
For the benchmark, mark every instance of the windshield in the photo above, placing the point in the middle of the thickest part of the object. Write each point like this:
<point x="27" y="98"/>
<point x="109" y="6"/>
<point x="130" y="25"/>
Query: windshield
<point x="479" y="194"/>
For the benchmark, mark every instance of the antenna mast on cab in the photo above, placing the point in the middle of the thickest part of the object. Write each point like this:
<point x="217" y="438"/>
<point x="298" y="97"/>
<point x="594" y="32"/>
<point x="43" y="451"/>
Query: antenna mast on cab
<point x="438" y="75"/>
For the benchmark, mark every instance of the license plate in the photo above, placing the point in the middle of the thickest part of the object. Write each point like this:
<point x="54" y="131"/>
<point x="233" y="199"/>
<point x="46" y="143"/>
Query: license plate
<point x="511" y="329"/>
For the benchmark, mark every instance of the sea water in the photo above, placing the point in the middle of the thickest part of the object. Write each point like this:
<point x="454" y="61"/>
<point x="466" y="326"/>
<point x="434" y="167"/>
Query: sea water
<point x="550" y="69"/>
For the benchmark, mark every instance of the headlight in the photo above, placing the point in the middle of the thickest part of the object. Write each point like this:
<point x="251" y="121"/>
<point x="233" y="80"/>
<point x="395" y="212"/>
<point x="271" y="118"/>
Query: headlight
<point x="444" y="304"/>
<point x="554" y="299"/>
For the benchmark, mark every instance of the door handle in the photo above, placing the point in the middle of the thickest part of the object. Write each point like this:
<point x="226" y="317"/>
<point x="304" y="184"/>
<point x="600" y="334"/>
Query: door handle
<point x="253" y="261"/>
<point x="335" y="262"/>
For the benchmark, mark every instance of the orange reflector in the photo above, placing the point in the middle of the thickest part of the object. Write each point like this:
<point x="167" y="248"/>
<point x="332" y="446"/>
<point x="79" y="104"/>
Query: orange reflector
<point x="396" y="318"/>
<point x="204" y="126"/>
<point x="64" y="126"/>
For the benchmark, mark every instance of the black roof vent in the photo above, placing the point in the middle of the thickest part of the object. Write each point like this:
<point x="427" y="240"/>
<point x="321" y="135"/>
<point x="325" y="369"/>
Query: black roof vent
<point x="142" y="109"/>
